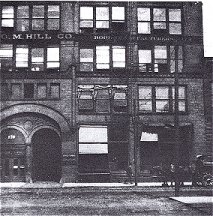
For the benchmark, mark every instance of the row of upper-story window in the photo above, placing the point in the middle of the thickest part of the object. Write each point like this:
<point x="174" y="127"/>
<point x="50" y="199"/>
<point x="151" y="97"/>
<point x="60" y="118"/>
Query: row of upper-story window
<point x="30" y="91"/>
<point x="151" y="99"/>
<point x="150" y="20"/>
<point x="157" y="59"/>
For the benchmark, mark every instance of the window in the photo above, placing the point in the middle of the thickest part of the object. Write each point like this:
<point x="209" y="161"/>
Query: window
<point x="102" y="98"/>
<point x="145" y="98"/>
<point x="38" y="17"/>
<point x="102" y="18"/>
<point x="53" y="58"/>
<point x="22" y="18"/>
<point x="7" y="18"/>
<point x="86" y="59"/>
<point x="179" y="58"/>
<point x="106" y="57"/>
<point x="160" y="59"/>
<point x="53" y="15"/>
<point x="54" y="90"/>
<point x="42" y="91"/>
<point x="85" y="98"/>
<point x="181" y="99"/>
<point x="22" y="56"/>
<point x="16" y="91"/>
<point x="145" y="60"/>
<point x="159" y="21"/>
<point x="102" y="57"/>
<point x="119" y="98"/>
<point x="93" y="140"/>
<point x="160" y="99"/>
<point x="28" y="90"/>
<point x="118" y="56"/>
<point x="37" y="59"/>
<point x="44" y="17"/>
<point x="4" y="91"/>
<point x="6" y="57"/>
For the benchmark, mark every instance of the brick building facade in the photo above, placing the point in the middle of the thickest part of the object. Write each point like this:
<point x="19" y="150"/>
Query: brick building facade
<point x="88" y="88"/>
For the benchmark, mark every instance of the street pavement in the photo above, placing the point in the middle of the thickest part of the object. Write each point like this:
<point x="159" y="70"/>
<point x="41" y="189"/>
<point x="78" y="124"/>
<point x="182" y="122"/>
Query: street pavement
<point x="48" y="198"/>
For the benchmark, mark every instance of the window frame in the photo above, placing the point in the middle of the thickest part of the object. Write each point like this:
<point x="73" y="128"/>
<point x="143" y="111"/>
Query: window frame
<point x="30" y="18"/>
<point x="170" y="100"/>
<point x="150" y="68"/>
<point x="110" y="20"/>
<point x="167" y="21"/>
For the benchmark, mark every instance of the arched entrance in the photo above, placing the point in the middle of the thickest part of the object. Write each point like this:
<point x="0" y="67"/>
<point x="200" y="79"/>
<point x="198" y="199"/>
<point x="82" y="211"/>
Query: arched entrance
<point x="13" y="155"/>
<point x="46" y="148"/>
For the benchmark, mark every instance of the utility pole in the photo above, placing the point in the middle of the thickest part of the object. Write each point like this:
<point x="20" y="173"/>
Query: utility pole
<point x="176" y="124"/>
<point x="135" y="140"/>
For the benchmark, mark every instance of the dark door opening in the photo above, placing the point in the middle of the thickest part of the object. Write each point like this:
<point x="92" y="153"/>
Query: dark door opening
<point x="12" y="156"/>
<point x="46" y="156"/>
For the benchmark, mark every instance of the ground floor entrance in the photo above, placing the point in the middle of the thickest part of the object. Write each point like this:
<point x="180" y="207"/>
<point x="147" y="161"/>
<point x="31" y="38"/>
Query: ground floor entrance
<point x="46" y="156"/>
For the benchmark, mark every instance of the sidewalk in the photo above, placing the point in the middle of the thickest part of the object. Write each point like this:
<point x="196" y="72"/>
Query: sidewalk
<point x="75" y="185"/>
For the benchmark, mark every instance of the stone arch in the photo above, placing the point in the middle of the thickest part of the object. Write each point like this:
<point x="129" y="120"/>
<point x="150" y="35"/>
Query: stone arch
<point x="41" y="109"/>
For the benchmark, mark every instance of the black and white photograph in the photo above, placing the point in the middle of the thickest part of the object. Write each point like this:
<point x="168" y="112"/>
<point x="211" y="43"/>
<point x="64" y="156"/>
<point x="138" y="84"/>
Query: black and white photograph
<point x="106" y="108"/>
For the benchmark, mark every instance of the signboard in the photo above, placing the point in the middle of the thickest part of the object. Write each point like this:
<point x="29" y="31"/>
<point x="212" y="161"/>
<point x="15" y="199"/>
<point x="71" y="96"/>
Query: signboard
<point x="9" y="37"/>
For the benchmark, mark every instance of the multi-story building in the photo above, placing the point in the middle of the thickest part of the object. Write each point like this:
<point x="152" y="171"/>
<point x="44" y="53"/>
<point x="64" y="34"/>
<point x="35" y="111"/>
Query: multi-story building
<point x="89" y="87"/>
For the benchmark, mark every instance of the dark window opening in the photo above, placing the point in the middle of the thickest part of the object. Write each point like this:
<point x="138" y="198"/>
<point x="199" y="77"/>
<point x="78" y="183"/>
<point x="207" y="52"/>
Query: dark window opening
<point x="29" y="90"/>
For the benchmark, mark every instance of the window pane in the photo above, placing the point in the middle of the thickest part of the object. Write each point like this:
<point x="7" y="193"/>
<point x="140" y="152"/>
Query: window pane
<point x="145" y="92"/>
<point x="22" y="25"/>
<point x="175" y="28"/>
<point x="102" y="24"/>
<point x="86" y="24"/>
<point x="86" y="55"/>
<point x="162" y="106"/>
<point x="38" y="11"/>
<point x="53" y="24"/>
<point x="42" y="91"/>
<point x="7" y="12"/>
<point x="23" y="12"/>
<point x="38" y="24"/>
<point x="6" y="51"/>
<point x="53" y="11"/>
<point x="159" y="25"/>
<point x="145" y="56"/>
<point x="52" y="54"/>
<point x="174" y="15"/>
<point x="162" y="92"/>
<point x="54" y="90"/>
<point x="159" y="14"/>
<point x="160" y="52"/>
<point x="102" y="13"/>
<point x="86" y="12"/>
<point x="15" y="91"/>
<point x="145" y="105"/>
<point x="181" y="92"/>
<point x="144" y="28"/>
<point x="53" y="64"/>
<point x="118" y="13"/>
<point x="7" y="22"/>
<point x="93" y="134"/>
<point x="143" y="14"/>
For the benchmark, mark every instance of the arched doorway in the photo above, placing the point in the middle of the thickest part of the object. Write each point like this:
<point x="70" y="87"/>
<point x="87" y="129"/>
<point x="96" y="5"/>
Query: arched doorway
<point x="13" y="155"/>
<point x="46" y="148"/>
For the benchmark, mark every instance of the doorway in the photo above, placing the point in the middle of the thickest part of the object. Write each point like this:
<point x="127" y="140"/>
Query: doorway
<point x="46" y="150"/>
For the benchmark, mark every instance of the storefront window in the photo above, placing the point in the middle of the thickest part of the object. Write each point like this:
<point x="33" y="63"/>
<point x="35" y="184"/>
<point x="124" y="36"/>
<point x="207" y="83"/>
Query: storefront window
<point x="22" y="56"/>
<point x="6" y="57"/>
